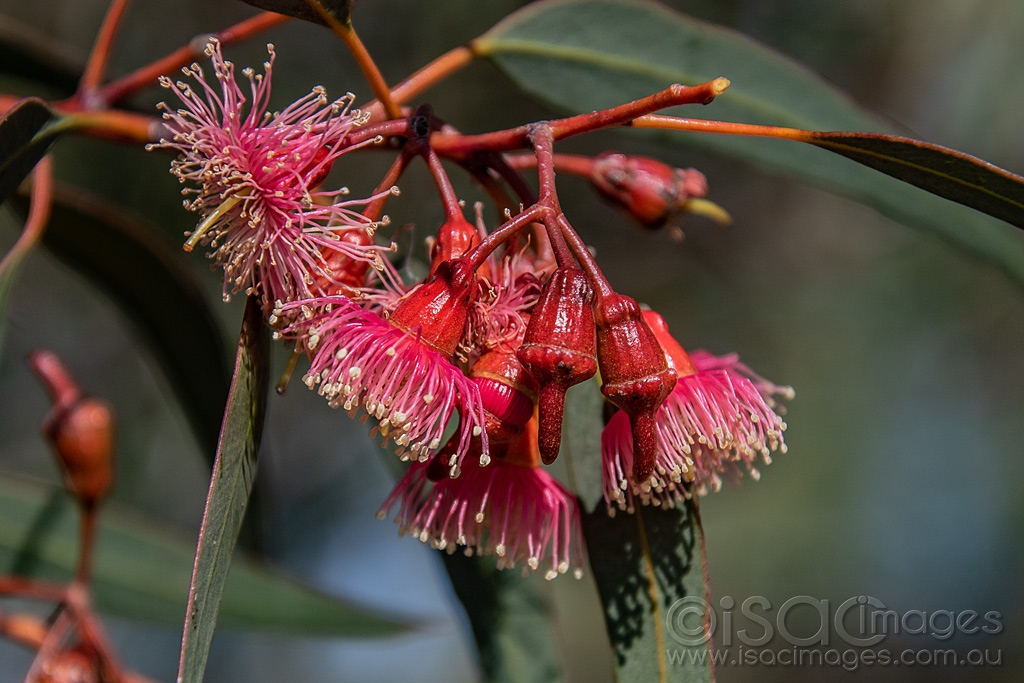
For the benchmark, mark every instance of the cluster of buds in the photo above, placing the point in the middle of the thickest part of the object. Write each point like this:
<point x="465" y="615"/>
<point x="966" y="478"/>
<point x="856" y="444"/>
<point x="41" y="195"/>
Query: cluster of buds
<point x="466" y="371"/>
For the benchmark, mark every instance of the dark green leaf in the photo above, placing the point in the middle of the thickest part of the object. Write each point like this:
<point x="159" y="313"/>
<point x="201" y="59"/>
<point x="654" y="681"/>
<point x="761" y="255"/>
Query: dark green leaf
<point x="26" y="133"/>
<point x="123" y="255"/>
<point x="141" y="569"/>
<point x="940" y="170"/>
<point x="510" y="620"/>
<point x="649" y="566"/>
<point x="652" y="578"/>
<point x="27" y="53"/>
<point x="304" y="9"/>
<point x="583" y="55"/>
<point x="234" y="472"/>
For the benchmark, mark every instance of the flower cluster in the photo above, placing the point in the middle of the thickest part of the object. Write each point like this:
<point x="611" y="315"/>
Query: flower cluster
<point x="466" y="371"/>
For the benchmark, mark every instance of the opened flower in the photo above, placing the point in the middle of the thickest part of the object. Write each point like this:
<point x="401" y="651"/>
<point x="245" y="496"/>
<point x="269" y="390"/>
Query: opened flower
<point x="267" y="226"/>
<point x="399" y="370"/>
<point x="718" y="420"/>
<point x="511" y="509"/>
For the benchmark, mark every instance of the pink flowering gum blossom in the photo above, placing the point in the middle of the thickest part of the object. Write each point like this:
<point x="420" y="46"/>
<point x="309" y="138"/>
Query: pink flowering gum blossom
<point x="518" y="513"/>
<point x="362" y="361"/>
<point x="719" y="418"/>
<point x="256" y="173"/>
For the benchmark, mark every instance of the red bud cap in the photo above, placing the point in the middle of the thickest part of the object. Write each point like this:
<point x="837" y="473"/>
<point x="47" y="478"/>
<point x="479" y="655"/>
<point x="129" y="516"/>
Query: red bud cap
<point x="435" y="312"/>
<point x="81" y="430"/>
<point x="635" y="373"/>
<point x="558" y="349"/>
<point x="650" y="190"/>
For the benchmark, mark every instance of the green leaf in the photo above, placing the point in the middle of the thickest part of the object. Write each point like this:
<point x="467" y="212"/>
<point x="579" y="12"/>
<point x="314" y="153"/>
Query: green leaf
<point x="510" y="620"/>
<point x="120" y="253"/>
<point x="234" y="472"/>
<point x="141" y="569"/>
<point x="649" y="566"/>
<point x="303" y="9"/>
<point x="26" y="133"/>
<point x="652" y="578"/>
<point x="583" y="55"/>
<point x="946" y="172"/>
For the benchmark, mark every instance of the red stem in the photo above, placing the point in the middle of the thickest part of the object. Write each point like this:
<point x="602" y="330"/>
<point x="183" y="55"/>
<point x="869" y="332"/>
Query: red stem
<point x="722" y="127"/>
<point x="384" y="129"/>
<point x="543" y="148"/>
<point x="38" y="215"/>
<point x="375" y="209"/>
<point x="119" y="89"/>
<point x="519" y="137"/>
<point x="86" y="544"/>
<point x="452" y="210"/>
<point x="364" y="60"/>
<point x="508" y="230"/>
<point x="573" y="164"/>
<point x="97" y="64"/>
<point x="586" y="259"/>
<point x="440" y="68"/>
<point x="21" y="587"/>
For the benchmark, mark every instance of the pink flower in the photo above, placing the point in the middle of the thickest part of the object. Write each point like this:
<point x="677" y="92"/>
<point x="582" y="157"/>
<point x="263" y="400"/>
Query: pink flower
<point x="716" y="422"/>
<point x="257" y="172"/>
<point x="398" y="370"/>
<point x="512" y="509"/>
<point x="362" y="361"/>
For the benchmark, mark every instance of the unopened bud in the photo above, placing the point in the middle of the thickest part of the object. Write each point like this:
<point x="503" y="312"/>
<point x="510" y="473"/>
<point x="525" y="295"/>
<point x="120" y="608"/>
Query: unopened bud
<point x="635" y="374"/>
<point x="652" y="191"/>
<point x="558" y="349"/>
<point x="81" y="430"/>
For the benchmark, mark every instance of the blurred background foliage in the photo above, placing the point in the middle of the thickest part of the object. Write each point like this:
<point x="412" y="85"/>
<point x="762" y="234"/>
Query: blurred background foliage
<point x="902" y="478"/>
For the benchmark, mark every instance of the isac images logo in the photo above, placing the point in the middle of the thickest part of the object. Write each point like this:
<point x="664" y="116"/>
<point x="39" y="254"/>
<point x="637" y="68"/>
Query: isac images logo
<point x="808" y="631"/>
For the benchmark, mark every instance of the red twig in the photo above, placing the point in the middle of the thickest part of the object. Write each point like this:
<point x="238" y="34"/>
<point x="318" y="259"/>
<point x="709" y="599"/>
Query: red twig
<point x="97" y="64"/>
<point x="146" y="76"/>
<point x="517" y="138"/>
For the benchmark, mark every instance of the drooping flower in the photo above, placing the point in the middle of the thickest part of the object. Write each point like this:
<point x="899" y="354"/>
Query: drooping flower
<point x="399" y="370"/>
<point x="511" y="509"/>
<point x="716" y="422"/>
<point x="257" y="172"/>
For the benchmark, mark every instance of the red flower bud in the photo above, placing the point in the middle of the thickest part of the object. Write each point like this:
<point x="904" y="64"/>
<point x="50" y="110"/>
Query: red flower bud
<point x="558" y="349"/>
<point x="647" y="188"/>
<point x="435" y="312"/>
<point x="508" y="394"/>
<point x="81" y="430"/>
<point x="635" y="373"/>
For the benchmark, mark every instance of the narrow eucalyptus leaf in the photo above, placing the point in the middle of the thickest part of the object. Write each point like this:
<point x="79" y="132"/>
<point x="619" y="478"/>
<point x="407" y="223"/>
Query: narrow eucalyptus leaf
<point x="234" y="472"/>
